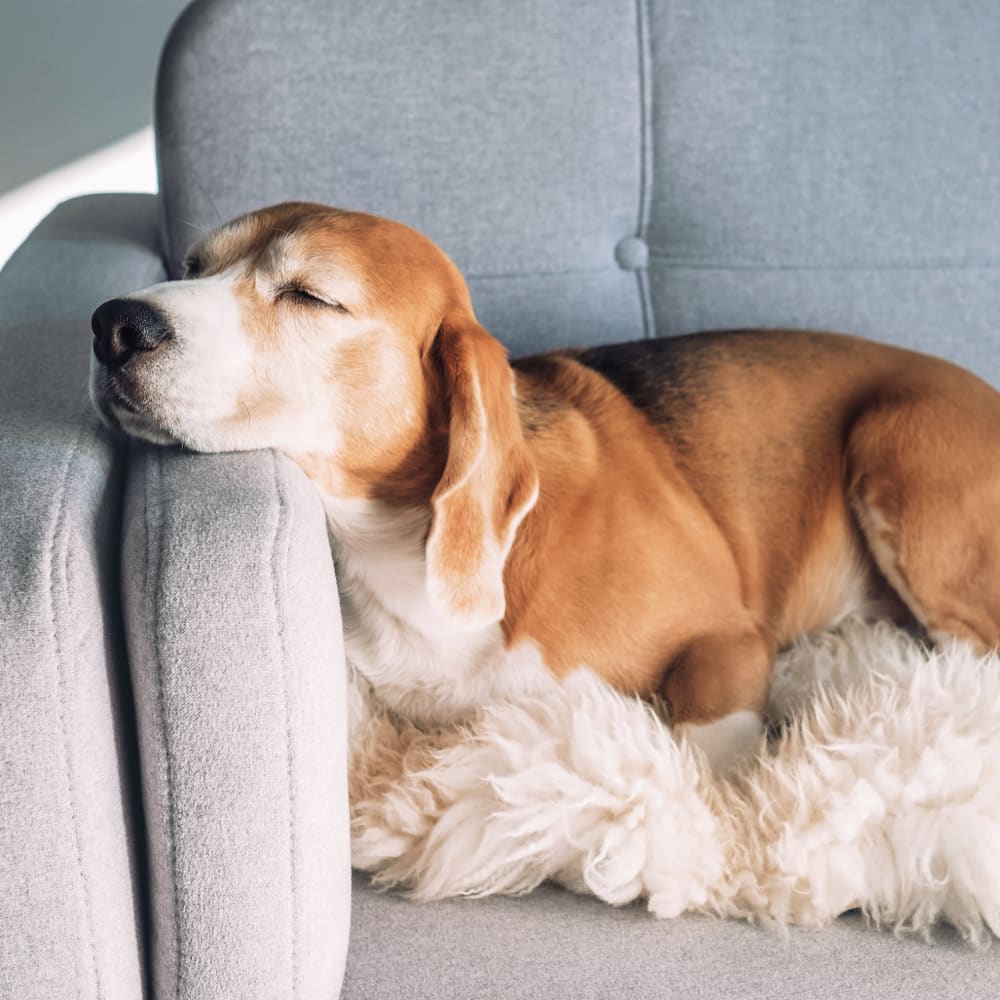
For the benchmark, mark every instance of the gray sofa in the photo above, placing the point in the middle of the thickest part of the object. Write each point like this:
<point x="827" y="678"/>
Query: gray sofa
<point x="173" y="816"/>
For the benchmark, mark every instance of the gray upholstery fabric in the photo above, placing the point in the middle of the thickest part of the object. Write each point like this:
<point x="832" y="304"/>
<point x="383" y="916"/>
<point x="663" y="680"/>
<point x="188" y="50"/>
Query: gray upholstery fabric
<point x="791" y="163"/>
<point x="829" y="164"/>
<point x="237" y="667"/>
<point x="233" y="627"/>
<point x="70" y="918"/>
<point x="555" y="944"/>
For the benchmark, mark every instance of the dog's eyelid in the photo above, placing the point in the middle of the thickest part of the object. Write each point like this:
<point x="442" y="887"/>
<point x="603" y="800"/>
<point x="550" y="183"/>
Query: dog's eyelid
<point x="299" y="291"/>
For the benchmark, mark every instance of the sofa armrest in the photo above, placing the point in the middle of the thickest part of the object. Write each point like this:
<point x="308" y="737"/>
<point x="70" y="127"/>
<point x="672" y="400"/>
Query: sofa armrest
<point x="70" y="916"/>
<point x="233" y="625"/>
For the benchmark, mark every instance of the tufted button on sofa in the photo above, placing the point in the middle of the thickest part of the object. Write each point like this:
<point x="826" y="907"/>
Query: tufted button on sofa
<point x="173" y="813"/>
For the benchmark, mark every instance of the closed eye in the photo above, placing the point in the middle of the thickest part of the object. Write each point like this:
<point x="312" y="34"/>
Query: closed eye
<point x="303" y="296"/>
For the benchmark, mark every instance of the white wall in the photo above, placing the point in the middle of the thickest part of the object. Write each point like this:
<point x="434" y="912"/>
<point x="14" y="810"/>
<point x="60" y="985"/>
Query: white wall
<point x="76" y="100"/>
<point x="75" y="75"/>
<point x="126" y="165"/>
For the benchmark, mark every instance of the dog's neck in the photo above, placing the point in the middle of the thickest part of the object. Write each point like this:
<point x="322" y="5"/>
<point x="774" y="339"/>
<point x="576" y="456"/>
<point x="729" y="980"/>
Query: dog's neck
<point x="417" y="660"/>
<point x="378" y="548"/>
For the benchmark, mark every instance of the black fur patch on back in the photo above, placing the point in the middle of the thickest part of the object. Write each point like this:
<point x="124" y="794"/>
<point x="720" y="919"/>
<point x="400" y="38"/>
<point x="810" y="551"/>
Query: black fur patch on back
<point x="664" y="377"/>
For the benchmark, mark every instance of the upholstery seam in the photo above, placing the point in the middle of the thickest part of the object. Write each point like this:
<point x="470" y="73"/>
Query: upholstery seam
<point x="57" y="530"/>
<point x="706" y="264"/>
<point x="682" y="263"/>
<point x="154" y="459"/>
<point x="279" y="558"/>
<point x="645" y="156"/>
<point x="137" y="821"/>
<point x="557" y="272"/>
<point x="165" y="236"/>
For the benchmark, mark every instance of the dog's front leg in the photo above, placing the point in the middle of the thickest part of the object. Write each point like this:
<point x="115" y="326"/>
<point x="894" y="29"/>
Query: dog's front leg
<point x="717" y="690"/>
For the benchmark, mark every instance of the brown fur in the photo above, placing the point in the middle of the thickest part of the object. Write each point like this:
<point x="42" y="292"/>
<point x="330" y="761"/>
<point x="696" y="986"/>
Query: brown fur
<point x="701" y="501"/>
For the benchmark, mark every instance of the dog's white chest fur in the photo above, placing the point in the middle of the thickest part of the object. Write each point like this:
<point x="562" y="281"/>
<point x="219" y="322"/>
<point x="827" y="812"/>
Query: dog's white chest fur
<point x="420" y="664"/>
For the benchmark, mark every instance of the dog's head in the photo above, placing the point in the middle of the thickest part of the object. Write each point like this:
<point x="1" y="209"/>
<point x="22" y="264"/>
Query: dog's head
<point x="349" y="342"/>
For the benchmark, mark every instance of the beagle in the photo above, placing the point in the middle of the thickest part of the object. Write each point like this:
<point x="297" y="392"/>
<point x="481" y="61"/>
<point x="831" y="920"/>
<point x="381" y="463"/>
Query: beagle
<point x="668" y="513"/>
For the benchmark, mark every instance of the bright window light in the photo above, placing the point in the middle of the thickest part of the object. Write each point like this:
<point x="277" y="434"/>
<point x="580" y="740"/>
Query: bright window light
<point x="128" y="165"/>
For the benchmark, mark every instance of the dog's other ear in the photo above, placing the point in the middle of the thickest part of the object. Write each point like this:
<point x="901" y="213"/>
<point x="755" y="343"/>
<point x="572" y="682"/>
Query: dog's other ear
<point x="489" y="481"/>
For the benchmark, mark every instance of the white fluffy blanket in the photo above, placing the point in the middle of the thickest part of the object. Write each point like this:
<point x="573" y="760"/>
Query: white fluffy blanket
<point x="879" y="789"/>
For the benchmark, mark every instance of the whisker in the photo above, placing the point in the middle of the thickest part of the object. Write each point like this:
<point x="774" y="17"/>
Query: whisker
<point x="211" y="201"/>
<point x="191" y="224"/>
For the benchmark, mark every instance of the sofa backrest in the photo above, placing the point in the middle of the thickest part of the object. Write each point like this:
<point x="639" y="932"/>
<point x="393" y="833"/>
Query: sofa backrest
<point x="610" y="169"/>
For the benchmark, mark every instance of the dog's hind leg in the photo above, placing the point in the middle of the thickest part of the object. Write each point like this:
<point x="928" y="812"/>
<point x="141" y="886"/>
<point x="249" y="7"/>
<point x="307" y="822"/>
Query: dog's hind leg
<point x="923" y="480"/>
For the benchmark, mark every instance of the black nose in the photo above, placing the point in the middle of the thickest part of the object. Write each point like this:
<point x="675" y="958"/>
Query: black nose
<point x="124" y="326"/>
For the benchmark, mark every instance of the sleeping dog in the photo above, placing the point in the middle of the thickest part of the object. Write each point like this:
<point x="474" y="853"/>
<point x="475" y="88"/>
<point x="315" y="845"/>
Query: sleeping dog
<point x="668" y="513"/>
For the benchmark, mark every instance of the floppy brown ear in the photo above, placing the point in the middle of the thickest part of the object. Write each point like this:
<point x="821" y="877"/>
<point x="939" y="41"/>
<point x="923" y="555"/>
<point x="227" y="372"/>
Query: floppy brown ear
<point x="489" y="481"/>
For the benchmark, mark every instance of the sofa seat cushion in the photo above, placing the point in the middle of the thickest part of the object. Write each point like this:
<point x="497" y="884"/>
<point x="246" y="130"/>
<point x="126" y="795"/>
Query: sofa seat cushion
<point x="552" y="943"/>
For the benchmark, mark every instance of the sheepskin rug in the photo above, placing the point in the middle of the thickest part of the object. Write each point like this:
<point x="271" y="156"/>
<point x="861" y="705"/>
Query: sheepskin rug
<point x="878" y="788"/>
